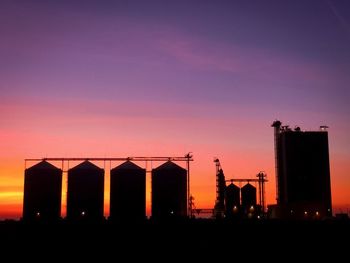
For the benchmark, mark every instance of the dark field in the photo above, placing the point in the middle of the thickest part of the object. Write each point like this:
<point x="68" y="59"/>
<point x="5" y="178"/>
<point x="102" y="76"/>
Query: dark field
<point x="166" y="241"/>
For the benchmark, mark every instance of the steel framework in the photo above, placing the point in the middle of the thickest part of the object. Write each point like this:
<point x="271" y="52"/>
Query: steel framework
<point x="261" y="182"/>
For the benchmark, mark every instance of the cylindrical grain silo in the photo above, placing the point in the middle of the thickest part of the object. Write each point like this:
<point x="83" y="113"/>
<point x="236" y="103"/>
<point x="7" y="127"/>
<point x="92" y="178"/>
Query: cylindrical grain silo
<point x="85" y="192"/>
<point x="249" y="199"/>
<point x="128" y="192"/>
<point x="169" y="191"/>
<point x="232" y="200"/>
<point x="42" y="192"/>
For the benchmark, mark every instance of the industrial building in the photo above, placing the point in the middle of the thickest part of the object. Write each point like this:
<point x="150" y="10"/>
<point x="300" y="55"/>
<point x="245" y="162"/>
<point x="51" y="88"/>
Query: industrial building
<point x="302" y="172"/>
<point x="232" y="201"/>
<point x="219" y="208"/>
<point x="248" y="193"/>
<point x="169" y="191"/>
<point x="85" y="192"/>
<point x="42" y="192"/>
<point x="128" y="192"/>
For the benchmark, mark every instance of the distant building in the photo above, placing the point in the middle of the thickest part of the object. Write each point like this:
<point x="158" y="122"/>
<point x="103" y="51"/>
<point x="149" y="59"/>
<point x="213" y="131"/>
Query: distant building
<point x="42" y="192"/>
<point x="342" y="216"/>
<point x="85" y="192"/>
<point x="302" y="172"/>
<point x="232" y="201"/>
<point x="248" y="193"/>
<point x="169" y="191"/>
<point x="219" y="208"/>
<point x="128" y="192"/>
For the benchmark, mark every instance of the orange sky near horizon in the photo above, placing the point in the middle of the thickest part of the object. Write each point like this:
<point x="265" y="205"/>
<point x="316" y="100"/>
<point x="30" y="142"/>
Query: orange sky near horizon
<point x="243" y="147"/>
<point x="202" y="187"/>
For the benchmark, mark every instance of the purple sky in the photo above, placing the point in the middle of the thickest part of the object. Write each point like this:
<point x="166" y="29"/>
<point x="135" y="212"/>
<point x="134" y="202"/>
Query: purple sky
<point x="290" y="54"/>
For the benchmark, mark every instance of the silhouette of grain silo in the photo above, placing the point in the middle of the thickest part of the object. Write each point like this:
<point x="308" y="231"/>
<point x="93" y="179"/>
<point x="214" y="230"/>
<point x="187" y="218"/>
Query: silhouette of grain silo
<point x="42" y="192"/>
<point x="128" y="192"/>
<point x="232" y="200"/>
<point x="169" y="187"/>
<point x="249" y="199"/>
<point x="248" y="195"/>
<point x="85" y="192"/>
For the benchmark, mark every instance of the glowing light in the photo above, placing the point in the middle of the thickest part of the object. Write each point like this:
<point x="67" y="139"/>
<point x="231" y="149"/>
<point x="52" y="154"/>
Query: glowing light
<point x="38" y="214"/>
<point x="83" y="213"/>
<point x="317" y="213"/>
<point x="305" y="212"/>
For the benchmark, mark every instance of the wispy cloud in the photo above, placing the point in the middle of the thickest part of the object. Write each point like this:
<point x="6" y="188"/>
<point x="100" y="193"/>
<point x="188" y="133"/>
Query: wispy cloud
<point x="261" y="63"/>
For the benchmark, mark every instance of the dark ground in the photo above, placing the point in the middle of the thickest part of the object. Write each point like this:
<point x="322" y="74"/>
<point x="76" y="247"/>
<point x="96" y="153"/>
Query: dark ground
<point x="196" y="240"/>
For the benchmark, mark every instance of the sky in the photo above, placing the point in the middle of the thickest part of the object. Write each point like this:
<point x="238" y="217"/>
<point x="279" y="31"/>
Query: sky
<point x="164" y="78"/>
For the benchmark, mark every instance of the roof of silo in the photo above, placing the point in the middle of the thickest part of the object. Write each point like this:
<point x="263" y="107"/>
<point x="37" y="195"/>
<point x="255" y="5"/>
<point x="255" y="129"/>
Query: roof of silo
<point x="128" y="166"/>
<point x="44" y="165"/>
<point x="169" y="166"/>
<point x="86" y="165"/>
<point x="232" y="185"/>
<point x="248" y="185"/>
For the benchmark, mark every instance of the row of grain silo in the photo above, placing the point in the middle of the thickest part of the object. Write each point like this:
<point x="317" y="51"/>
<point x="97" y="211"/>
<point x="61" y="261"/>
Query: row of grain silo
<point x="85" y="192"/>
<point x="240" y="202"/>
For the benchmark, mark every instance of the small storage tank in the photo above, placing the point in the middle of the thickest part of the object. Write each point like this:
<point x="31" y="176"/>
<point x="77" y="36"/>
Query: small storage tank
<point x="248" y="195"/>
<point x="249" y="199"/>
<point x="232" y="200"/>
<point x="42" y="192"/>
<point x="128" y="192"/>
<point x="85" y="192"/>
<point x="169" y="191"/>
